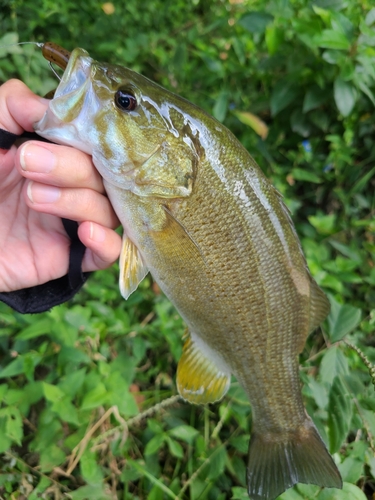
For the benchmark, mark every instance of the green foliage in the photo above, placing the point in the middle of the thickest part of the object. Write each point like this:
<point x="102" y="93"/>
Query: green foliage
<point x="295" y="81"/>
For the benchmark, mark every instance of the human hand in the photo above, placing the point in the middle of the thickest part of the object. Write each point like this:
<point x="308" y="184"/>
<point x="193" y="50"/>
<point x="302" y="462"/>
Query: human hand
<point x="39" y="184"/>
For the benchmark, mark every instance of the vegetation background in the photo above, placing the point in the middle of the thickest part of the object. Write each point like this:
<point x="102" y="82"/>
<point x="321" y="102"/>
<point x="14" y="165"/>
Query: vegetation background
<point x="81" y="386"/>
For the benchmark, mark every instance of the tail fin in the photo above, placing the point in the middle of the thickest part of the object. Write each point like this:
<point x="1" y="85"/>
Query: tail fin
<point x="277" y="463"/>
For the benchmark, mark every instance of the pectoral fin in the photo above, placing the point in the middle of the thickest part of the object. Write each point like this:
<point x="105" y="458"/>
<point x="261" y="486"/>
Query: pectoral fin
<point x="200" y="380"/>
<point x="175" y="241"/>
<point x="132" y="267"/>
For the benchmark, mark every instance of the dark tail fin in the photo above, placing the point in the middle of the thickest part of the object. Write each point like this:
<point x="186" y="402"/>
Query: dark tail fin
<point x="277" y="463"/>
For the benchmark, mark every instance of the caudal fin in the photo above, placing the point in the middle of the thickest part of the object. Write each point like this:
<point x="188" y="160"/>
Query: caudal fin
<point x="276" y="464"/>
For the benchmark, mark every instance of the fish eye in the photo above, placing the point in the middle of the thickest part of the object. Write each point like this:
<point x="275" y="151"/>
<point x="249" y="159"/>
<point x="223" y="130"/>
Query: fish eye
<point x="125" y="100"/>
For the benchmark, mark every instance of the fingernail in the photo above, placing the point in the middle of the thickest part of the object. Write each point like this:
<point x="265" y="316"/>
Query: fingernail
<point x="37" y="159"/>
<point x="97" y="233"/>
<point x="41" y="193"/>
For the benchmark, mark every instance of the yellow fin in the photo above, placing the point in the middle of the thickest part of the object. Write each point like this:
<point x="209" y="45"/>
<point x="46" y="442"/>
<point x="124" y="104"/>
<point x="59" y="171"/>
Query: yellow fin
<point x="199" y="379"/>
<point x="132" y="267"/>
<point x="176" y="241"/>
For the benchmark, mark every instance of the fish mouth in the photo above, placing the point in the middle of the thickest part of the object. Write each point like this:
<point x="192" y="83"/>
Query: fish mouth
<point x="74" y="103"/>
<point x="76" y="74"/>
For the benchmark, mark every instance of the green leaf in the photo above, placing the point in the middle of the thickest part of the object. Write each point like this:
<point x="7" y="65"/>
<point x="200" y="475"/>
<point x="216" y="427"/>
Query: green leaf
<point x="324" y="224"/>
<point x="51" y="457"/>
<point x="43" y="484"/>
<point x="221" y="106"/>
<point x="239" y="493"/>
<point x="339" y="414"/>
<point x="274" y="38"/>
<point x="66" y="411"/>
<point x="3" y="390"/>
<point x="342" y="320"/>
<point x="13" y="424"/>
<point x="130" y="474"/>
<point x="330" y="39"/>
<point x="72" y="355"/>
<point x="240" y="443"/>
<point x="314" y="97"/>
<point x="90" y="492"/>
<point x="348" y="492"/>
<point x="333" y="364"/>
<point x="283" y="94"/>
<point x="36" y="329"/>
<point x="90" y="469"/>
<point x="184" y="432"/>
<point x="256" y="22"/>
<point x="217" y="462"/>
<point x="154" y="445"/>
<point x="72" y="382"/>
<point x="370" y="17"/>
<point x="175" y="448"/>
<point x="362" y="182"/>
<point x="304" y="175"/>
<point x="301" y="492"/>
<point x="345" y="96"/>
<point x="325" y="14"/>
<point x="138" y="466"/>
<point x="20" y="364"/>
<point x="318" y="392"/>
<point x="52" y="393"/>
<point x="300" y="123"/>
<point x="351" y="469"/>
<point x="8" y="44"/>
<point x="94" y="398"/>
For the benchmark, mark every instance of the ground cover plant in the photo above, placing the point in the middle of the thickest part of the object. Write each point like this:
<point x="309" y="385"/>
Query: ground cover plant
<point x="88" y="404"/>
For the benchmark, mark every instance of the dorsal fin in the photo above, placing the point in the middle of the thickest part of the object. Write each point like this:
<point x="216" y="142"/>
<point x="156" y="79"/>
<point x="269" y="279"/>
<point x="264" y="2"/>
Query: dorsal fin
<point x="319" y="306"/>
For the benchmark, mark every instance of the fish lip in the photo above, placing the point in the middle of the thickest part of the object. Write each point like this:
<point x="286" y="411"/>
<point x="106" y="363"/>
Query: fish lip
<point x="78" y="71"/>
<point x="75" y="83"/>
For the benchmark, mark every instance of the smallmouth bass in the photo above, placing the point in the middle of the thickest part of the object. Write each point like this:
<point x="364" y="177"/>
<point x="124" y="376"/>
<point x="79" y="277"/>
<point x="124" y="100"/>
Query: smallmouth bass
<point x="200" y="215"/>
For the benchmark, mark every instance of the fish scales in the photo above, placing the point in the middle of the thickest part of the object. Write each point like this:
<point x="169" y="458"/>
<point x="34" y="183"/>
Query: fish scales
<point x="199" y="214"/>
<point x="243" y="322"/>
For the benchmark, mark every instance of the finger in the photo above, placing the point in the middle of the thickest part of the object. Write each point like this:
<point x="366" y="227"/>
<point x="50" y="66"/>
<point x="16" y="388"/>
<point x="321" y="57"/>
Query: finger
<point x="19" y="107"/>
<point x="58" y="166"/>
<point x="70" y="203"/>
<point x="103" y="246"/>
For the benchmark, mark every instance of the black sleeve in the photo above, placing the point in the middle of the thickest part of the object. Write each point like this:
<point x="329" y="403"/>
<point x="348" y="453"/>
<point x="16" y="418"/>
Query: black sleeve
<point x="41" y="298"/>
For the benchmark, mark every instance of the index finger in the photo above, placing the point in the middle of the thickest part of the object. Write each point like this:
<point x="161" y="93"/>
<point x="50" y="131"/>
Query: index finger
<point x="61" y="166"/>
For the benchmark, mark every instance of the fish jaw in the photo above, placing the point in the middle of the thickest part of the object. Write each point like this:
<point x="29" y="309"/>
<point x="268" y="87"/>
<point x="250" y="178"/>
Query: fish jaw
<point x="85" y="95"/>
<point x="72" y="97"/>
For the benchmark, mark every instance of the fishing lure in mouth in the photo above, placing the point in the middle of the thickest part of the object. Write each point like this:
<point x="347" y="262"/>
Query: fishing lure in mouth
<point x="55" y="54"/>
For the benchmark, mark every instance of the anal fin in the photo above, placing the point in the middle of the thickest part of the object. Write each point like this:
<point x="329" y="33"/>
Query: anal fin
<point x="200" y="380"/>
<point x="132" y="267"/>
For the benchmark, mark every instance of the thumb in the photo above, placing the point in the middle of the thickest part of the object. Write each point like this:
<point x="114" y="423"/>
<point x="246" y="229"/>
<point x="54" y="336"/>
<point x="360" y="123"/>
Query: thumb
<point x="20" y="108"/>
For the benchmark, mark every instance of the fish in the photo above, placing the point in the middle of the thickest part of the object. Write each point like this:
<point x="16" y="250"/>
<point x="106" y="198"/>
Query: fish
<point x="200" y="215"/>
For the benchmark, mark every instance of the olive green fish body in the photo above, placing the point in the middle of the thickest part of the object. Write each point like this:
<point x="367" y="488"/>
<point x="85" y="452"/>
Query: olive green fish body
<point x="199" y="214"/>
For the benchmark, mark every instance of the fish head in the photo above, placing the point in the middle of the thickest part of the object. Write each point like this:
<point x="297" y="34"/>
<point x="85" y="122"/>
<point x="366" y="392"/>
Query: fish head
<point x="136" y="131"/>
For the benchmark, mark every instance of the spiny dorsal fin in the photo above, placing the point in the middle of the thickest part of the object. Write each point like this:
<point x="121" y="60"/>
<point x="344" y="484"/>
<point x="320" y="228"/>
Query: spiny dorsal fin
<point x="132" y="267"/>
<point x="199" y="378"/>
